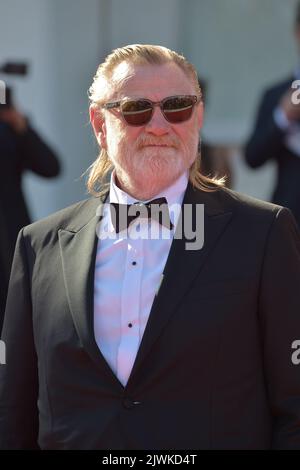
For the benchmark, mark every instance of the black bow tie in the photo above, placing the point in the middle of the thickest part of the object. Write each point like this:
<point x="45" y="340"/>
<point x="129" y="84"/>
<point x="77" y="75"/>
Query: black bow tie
<point x="123" y="214"/>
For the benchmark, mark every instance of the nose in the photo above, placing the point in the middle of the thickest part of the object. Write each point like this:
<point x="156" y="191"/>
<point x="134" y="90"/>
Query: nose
<point x="158" y="125"/>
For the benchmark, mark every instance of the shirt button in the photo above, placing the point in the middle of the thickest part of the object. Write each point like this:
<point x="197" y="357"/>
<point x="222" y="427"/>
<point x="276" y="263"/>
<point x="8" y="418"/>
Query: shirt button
<point x="128" y="403"/>
<point x="130" y="325"/>
<point x="133" y="263"/>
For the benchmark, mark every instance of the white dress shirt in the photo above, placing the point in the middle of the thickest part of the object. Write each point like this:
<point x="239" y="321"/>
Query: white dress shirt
<point x="128" y="273"/>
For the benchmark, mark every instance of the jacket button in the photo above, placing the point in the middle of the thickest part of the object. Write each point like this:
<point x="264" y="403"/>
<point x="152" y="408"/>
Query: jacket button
<point x="128" y="403"/>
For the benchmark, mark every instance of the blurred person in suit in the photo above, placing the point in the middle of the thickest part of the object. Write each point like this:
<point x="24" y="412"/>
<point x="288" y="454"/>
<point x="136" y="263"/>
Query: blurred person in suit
<point x="21" y="149"/>
<point x="118" y="339"/>
<point x="276" y="136"/>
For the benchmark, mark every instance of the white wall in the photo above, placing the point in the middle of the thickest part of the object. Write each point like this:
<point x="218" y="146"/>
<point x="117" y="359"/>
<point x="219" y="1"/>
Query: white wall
<point x="145" y="21"/>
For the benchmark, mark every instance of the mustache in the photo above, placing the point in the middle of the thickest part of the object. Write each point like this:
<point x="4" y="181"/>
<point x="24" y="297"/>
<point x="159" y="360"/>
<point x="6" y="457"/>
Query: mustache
<point x="169" y="141"/>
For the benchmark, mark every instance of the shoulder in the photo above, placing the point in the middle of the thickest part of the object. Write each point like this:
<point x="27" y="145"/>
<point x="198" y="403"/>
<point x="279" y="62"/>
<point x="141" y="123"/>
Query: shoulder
<point x="242" y="206"/>
<point x="253" y="213"/>
<point x="246" y="204"/>
<point x="71" y="218"/>
<point x="253" y="222"/>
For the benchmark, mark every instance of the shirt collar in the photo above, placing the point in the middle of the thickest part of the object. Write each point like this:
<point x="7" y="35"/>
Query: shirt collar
<point x="174" y="193"/>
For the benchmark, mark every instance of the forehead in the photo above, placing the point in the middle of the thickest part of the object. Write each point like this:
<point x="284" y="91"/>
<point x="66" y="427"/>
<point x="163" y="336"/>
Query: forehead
<point x="156" y="81"/>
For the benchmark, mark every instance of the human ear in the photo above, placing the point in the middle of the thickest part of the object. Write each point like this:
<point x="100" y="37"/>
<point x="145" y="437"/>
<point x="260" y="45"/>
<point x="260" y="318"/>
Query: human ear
<point x="98" y="123"/>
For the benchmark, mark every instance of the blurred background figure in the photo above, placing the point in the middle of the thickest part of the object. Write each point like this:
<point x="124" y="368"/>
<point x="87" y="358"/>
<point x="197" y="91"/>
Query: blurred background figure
<point x="276" y="136"/>
<point x="21" y="149"/>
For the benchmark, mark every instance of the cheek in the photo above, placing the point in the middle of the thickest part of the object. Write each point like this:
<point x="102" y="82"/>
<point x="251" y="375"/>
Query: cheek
<point x="128" y="138"/>
<point x="120" y="134"/>
<point x="114" y="133"/>
<point x="187" y="134"/>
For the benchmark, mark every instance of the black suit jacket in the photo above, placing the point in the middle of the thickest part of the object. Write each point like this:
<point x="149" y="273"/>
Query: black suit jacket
<point x="214" y="367"/>
<point x="267" y="142"/>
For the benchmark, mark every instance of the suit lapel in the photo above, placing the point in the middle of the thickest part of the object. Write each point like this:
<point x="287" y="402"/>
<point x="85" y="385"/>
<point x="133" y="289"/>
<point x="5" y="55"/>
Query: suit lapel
<point x="78" y="248"/>
<point x="181" y="268"/>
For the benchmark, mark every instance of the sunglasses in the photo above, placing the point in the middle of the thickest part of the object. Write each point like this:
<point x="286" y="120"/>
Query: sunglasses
<point x="138" y="112"/>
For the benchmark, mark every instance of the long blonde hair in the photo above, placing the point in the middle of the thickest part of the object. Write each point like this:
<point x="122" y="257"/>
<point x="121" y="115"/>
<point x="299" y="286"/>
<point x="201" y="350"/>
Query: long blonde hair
<point x="139" y="54"/>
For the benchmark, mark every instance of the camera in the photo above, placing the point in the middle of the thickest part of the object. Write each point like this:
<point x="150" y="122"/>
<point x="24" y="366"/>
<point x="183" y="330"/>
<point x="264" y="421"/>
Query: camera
<point x="8" y="98"/>
<point x="12" y="68"/>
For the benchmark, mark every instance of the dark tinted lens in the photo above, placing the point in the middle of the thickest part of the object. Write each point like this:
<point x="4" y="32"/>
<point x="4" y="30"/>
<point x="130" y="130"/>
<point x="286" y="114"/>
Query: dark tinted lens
<point x="137" y="113"/>
<point x="178" y="109"/>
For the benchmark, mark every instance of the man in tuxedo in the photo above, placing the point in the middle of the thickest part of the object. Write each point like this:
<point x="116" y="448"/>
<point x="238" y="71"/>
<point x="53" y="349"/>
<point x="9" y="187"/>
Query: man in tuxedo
<point x="276" y="136"/>
<point x="119" y="339"/>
